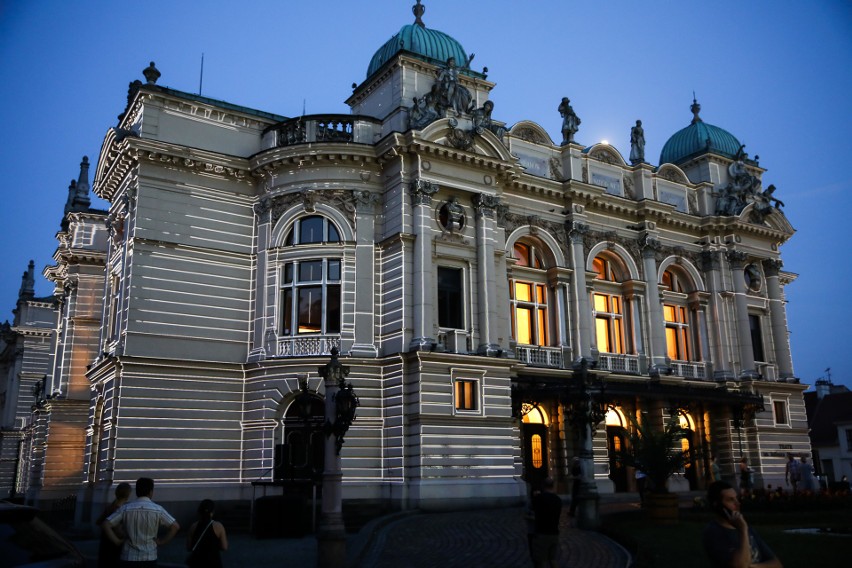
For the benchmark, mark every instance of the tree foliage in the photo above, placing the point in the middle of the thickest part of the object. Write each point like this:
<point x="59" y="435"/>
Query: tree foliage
<point x="658" y="453"/>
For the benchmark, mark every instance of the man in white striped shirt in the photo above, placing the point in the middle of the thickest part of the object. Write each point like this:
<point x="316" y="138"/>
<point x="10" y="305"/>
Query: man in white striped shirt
<point x="141" y="520"/>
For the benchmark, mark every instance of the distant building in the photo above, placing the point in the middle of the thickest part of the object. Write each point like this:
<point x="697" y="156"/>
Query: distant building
<point x="469" y="272"/>
<point x="829" y="410"/>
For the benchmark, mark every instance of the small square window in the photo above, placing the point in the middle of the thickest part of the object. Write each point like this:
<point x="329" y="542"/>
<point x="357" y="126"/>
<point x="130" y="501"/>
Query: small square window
<point x="466" y="395"/>
<point x="780" y="408"/>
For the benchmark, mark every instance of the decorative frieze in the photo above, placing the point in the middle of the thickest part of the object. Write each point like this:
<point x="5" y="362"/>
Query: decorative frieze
<point x="340" y="199"/>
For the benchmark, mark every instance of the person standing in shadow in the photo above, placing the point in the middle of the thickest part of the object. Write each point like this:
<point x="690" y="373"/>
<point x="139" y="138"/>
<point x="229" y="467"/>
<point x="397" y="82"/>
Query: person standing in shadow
<point x="547" y="507"/>
<point x="108" y="553"/>
<point x="206" y="539"/>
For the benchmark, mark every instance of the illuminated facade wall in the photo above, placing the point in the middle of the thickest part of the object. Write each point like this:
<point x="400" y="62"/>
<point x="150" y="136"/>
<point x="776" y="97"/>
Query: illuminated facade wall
<point x="448" y="264"/>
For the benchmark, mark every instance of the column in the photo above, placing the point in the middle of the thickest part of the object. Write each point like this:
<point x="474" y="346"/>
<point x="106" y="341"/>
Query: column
<point x="421" y="194"/>
<point x="778" y="318"/>
<point x="365" y="275"/>
<point x="712" y="265"/>
<point x="484" y="206"/>
<point x="259" y="348"/>
<point x="654" y="307"/>
<point x="582" y="309"/>
<point x="737" y="260"/>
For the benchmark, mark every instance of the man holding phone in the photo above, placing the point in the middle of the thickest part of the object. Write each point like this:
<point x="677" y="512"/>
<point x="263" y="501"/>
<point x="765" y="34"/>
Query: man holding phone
<point x="728" y="540"/>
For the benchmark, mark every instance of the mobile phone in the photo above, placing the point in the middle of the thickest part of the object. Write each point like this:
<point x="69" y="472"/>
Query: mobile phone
<point x="728" y="513"/>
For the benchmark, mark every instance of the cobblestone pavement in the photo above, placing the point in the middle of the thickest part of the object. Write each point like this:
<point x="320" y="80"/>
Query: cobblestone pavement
<point x="491" y="538"/>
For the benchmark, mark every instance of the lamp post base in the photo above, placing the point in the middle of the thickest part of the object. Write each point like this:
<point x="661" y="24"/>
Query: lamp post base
<point x="588" y="501"/>
<point x="331" y="542"/>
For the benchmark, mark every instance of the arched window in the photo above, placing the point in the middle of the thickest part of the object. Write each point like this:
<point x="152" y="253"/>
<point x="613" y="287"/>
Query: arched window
<point x="610" y="313"/>
<point x="680" y="339"/>
<point x="530" y="296"/>
<point x="310" y="287"/>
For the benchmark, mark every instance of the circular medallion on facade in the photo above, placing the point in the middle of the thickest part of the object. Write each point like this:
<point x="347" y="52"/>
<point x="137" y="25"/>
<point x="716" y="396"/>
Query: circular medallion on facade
<point x="451" y="215"/>
<point x="426" y="165"/>
<point x="488" y="180"/>
<point x="752" y="277"/>
<point x="365" y="176"/>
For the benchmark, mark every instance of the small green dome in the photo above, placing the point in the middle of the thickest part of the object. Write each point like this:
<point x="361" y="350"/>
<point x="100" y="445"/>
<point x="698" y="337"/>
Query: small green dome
<point x="698" y="138"/>
<point x="430" y="45"/>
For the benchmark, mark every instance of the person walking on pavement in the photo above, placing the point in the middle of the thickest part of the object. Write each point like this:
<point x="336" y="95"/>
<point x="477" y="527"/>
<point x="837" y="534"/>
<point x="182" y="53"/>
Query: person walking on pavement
<point x="141" y="520"/>
<point x="108" y="553"/>
<point x="547" y="507"/>
<point x="728" y="540"/>
<point x="577" y="479"/>
<point x="792" y="473"/>
<point x="206" y="539"/>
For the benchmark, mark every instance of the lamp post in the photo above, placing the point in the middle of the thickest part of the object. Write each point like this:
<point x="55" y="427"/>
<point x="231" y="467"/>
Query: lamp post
<point x="586" y="408"/>
<point x="340" y="406"/>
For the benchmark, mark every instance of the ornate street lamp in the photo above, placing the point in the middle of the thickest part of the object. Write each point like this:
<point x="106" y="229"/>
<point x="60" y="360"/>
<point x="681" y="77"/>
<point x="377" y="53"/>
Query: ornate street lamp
<point x="340" y="406"/>
<point x="587" y="407"/>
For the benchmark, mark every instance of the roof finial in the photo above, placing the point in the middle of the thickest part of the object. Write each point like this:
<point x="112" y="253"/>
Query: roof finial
<point x="418" y="10"/>
<point x="695" y="108"/>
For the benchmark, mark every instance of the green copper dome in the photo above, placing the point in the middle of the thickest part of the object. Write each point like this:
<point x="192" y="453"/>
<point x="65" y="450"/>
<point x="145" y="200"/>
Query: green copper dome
<point x="698" y="138"/>
<point x="431" y="45"/>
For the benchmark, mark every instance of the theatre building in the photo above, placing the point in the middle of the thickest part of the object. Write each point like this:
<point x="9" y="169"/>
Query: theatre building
<point x="479" y="279"/>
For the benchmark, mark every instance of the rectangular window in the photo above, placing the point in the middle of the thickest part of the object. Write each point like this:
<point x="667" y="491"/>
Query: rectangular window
<point x="466" y="395"/>
<point x="609" y="323"/>
<point x="756" y="337"/>
<point x="450" y="296"/>
<point x="311" y="297"/>
<point x="677" y="332"/>
<point x="780" y="408"/>
<point x="849" y="440"/>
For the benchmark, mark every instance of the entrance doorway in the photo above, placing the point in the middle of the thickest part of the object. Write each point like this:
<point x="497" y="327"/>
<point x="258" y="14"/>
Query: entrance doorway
<point x="534" y="434"/>
<point x="690" y="469"/>
<point x="616" y="438"/>
<point x="300" y="454"/>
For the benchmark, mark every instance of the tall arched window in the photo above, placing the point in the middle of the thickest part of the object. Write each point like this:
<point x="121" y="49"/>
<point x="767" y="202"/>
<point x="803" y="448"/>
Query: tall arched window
<point x="681" y="342"/>
<point x="610" y="313"/>
<point x="310" y="287"/>
<point x="529" y="296"/>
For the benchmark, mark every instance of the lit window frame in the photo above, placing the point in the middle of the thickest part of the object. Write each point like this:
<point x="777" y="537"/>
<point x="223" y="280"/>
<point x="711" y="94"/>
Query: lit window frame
<point x="294" y="279"/>
<point x="530" y="271"/>
<point x="467" y="391"/>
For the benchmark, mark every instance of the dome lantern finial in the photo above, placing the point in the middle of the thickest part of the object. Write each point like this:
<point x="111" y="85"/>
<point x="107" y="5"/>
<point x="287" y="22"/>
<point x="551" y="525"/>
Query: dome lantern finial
<point x="418" y="10"/>
<point x="695" y="108"/>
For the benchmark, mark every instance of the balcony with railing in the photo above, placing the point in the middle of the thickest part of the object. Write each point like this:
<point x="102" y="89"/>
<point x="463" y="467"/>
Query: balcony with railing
<point x="689" y="369"/>
<point x="323" y="128"/>
<point x="535" y="356"/>
<point x="307" y="346"/>
<point x="618" y="363"/>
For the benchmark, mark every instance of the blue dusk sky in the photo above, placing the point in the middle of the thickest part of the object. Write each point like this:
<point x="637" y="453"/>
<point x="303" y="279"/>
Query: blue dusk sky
<point x="777" y="74"/>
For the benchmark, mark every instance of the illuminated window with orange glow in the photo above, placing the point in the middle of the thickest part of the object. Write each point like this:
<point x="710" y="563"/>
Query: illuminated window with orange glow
<point x="677" y="332"/>
<point x="466" y="395"/>
<point x="608" y="306"/>
<point x="536" y="451"/>
<point x="681" y="339"/>
<point x="609" y="323"/>
<point x="529" y="298"/>
<point x="310" y="288"/>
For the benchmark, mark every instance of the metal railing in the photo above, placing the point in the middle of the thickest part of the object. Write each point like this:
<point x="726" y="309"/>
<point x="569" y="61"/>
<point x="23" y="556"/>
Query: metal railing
<point x="689" y="369"/>
<point x="540" y="356"/>
<point x="323" y="128"/>
<point x="304" y="346"/>
<point x="618" y="363"/>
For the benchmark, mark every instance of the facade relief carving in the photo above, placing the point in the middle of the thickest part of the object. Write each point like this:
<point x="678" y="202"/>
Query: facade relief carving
<point x="772" y="266"/>
<point x="737" y="259"/>
<point x="339" y="199"/>
<point x="556" y="169"/>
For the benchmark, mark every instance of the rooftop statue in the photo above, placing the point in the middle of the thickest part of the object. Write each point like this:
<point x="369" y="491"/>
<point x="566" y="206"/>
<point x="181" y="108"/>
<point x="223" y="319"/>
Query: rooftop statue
<point x="570" y="121"/>
<point x="637" y="143"/>
<point x="744" y="189"/>
<point x="452" y="94"/>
